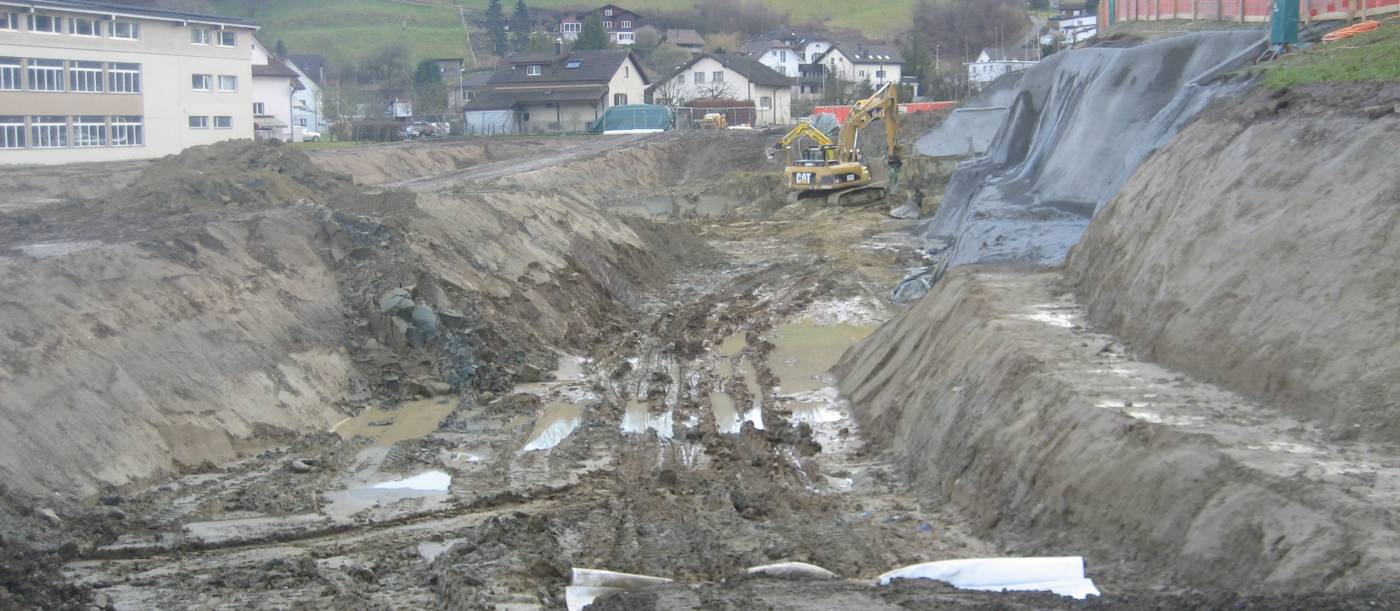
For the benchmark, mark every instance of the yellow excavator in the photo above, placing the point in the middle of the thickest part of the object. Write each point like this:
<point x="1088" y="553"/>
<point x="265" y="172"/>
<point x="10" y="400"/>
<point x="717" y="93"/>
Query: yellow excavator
<point x="837" y="169"/>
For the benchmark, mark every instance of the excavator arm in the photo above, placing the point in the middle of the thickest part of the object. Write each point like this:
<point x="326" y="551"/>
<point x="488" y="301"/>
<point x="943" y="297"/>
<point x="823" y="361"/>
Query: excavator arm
<point x="803" y="129"/>
<point x="883" y="105"/>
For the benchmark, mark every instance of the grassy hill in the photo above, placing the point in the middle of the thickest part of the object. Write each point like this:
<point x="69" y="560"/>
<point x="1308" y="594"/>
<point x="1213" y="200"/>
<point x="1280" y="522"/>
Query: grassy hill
<point x="432" y="28"/>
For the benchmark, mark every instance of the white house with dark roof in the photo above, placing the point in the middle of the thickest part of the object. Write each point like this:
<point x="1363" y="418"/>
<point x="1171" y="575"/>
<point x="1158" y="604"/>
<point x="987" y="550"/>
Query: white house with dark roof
<point x="275" y="85"/>
<point x="779" y="55"/>
<point x="992" y="63"/>
<point x="735" y="77"/>
<point x="541" y="93"/>
<point x="874" y="64"/>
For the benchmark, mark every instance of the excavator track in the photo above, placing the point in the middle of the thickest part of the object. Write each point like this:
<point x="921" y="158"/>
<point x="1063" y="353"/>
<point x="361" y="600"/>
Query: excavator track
<point x="860" y="196"/>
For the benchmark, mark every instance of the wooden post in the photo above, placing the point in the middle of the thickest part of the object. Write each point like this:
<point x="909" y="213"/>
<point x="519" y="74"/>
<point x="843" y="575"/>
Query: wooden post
<point x="1195" y="9"/>
<point x="1219" y="10"/>
<point x="1242" y="3"/>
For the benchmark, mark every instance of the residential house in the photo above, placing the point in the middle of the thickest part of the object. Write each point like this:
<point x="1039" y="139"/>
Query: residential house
<point x="729" y="76"/>
<point x="400" y="108"/>
<point x="308" y="110"/>
<point x="561" y="92"/>
<point x="475" y="82"/>
<point x="100" y="81"/>
<point x="776" y="54"/>
<point x="620" y="24"/>
<point x="1073" y="29"/>
<point x="275" y="85"/>
<point x="992" y="63"/>
<point x="874" y="64"/>
<point x="690" y="40"/>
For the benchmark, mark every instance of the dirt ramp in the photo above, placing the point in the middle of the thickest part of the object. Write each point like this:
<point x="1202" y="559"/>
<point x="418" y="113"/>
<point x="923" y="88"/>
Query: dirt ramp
<point x="1079" y="123"/>
<point x="387" y="163"/>
<point x="1259" y="251"/>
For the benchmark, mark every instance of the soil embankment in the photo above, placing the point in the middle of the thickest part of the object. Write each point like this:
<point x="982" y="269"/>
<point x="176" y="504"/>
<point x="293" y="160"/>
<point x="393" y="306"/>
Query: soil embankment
<point x="239" y="289"/>
<point x="1258" y="252"/>
<point x="1233" y="426"/>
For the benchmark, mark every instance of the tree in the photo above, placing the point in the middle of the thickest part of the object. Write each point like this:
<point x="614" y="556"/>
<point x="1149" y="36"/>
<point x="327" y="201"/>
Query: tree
<point x="722" y="43"/>
<point x="496" y="27"/>
<point x="1040" y="5"/>
<point x="836" y="90"/>
<point x="593" y="36"/>
<point x="520" y="26"/>
<point x="540" y="42"/>
<point x="712" y="90"/>
<point x="1092" y="6"/>
<point x="647" y="38"/>
<point x="429" y="90"/>
<point x="965" y="27"/>
<point x="666" y="58"/>
<point x="280" y="48"/>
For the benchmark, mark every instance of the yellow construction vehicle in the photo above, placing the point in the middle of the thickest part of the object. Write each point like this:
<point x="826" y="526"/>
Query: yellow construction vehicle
<point x="714" y="120"/>
<point x="837" y="170"/>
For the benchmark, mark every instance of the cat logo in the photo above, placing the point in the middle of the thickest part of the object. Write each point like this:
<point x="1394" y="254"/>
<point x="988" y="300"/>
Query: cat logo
<point x="803" y="178"/>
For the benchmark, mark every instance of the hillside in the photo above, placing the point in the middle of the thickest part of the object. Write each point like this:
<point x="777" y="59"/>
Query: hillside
<point x="433" y="28"/>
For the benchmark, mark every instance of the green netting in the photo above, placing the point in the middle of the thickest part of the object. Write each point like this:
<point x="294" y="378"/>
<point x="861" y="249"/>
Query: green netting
<point x="633" y="116"/>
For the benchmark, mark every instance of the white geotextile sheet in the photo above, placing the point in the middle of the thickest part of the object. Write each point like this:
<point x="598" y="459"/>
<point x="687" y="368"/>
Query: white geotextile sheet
<point x="1063" y="575"/>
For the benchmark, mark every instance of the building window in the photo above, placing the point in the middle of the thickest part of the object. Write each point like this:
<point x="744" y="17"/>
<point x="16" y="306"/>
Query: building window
<point x="49" y="132"/>
<point x="533" y="70"/>
<point x="89" y="132"/>
<point x="126" y="30"/>
<point x="626" y="72"/>
<point x="11" y="132"/>
<point x="228" y="39"/>
<point x="46" y="75"/>
<point x="782" y="56"/>
<point x="607" y="25"/>
<point x="258" y="109"/>
<point x="699" y="78"/>
<point x="199" y="122"/>
<point x="718" y="77"/>
<point x="607" y="12"/>
<point x="124" y="78"/>
<point x="202" y="82"/>
<point x="626" y="25"/>
<point x="619" y="99"/>
<point x="573" y="27"/>
<point x="9" y="21"/>
<point x="82" y="26"/>
<point x="880" y="74"/>
<point x="85" y="77"/>
<point x="199" y="36"/>
<point x="46" y="24"/>
<point x="228" y="82"/>
<point x="765" y="103"/>
<point x="224" y="123"/>
<point x="862" y="74"/>
<point x="127" y="131"/>
<point x="625" y="38"/>
<point x="10" y="74"/>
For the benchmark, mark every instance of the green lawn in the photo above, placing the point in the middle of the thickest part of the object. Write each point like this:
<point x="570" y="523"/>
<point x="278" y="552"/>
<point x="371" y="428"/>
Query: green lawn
<point x="1373" y="56"/>
<point x="351" y="29"/>
<point x="876" y="18"/>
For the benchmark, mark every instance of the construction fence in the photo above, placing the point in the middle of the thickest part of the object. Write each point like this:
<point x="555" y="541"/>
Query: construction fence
<point x="1242" y="10"/>
<point x="515" y="123"/>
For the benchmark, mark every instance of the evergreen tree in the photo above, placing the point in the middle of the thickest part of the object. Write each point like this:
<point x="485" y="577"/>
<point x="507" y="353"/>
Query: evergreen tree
<point x="281" y="48"/>
<point x="496" y="27"/>
<point x="429" y="90"/>
<point x="520" y="26"/>
<point x="593" y="36"/>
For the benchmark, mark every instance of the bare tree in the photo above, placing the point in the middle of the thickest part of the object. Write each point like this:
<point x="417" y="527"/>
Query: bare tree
<point x="670" y="92"/>
<point x="715" y="90"/>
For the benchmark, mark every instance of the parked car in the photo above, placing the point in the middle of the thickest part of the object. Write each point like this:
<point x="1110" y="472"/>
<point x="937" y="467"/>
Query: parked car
<point x="310" y="136"/>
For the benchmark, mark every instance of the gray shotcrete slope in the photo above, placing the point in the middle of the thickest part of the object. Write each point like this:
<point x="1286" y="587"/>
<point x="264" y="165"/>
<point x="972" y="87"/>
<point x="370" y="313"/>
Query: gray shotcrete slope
<point x="1078" y="125"/>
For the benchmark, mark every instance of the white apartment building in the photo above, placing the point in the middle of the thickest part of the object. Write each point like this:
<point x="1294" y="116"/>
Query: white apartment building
<point x="96" y="81"/>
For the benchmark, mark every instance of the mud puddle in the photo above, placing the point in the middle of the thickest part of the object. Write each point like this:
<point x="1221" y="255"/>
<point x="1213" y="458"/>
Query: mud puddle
<point x="556" y="423"/>
<point x="387" y="426"/>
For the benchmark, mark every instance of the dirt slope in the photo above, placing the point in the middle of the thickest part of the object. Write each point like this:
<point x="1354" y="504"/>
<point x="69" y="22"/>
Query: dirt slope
<point x="991" y="394"/>
<point x="238" y="287"/>
<point x="1258" y="251"/>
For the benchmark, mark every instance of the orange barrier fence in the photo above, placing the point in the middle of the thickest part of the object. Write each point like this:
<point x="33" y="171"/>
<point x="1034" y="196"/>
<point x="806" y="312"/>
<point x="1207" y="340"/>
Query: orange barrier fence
<point x="1242" y="10"/>
<point x="841" y="112"/>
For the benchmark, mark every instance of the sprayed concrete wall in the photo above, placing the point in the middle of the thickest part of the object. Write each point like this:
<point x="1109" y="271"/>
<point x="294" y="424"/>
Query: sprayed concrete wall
<point x="1078" y="125"/>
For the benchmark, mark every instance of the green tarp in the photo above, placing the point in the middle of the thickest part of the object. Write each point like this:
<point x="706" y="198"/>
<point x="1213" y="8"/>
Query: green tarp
<point x="633" y="117"/>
